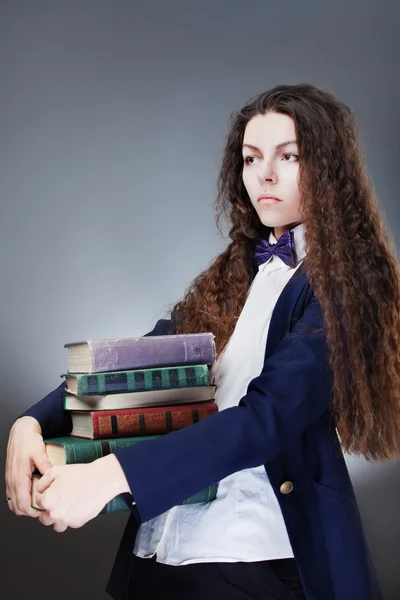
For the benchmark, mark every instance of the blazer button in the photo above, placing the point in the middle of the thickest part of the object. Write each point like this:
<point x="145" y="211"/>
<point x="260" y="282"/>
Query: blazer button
<point x="286" y="487"/>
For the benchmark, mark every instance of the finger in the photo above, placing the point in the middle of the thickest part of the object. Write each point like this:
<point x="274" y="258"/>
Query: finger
<point x="38" y="501"/>
<point x="37" y="511"/>
<point x="59" y="527"/>
<point x="42" y="502"/>
<point x="13" y="495"/>
<point x="45" y="481"/>
<point x="42" y="462"/>
<point x="45" y="519"/>
<point x="19" y="490"/>
<point x="12" y="504"/>
<point x="8" y="470"/>
<point x="23" y="498"/>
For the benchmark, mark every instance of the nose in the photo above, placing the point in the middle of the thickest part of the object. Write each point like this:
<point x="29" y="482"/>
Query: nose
<point x="268" y="174"/>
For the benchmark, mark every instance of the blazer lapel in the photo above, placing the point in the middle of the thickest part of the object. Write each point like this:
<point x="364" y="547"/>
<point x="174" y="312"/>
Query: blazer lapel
<point x="287" y="309"/>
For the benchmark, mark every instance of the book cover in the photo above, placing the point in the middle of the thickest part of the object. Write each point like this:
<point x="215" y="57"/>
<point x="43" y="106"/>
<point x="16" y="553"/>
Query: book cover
<point x="182" y="395"/>
<point x="138" y="380"/>
<point x="139" y="421"/>
<point x="124" y="354"/>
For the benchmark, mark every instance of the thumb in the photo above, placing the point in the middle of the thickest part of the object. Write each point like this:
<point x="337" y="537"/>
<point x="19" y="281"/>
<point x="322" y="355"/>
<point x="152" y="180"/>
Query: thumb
<point x="42" y="462"/>
<point x="45" y="481"/>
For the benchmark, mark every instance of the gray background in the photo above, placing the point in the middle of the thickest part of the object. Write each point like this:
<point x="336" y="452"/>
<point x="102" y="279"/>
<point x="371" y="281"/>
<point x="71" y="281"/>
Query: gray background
<point x="112" y="120"/>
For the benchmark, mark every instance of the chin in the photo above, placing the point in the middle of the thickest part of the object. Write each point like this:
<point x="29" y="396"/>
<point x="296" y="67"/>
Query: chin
<point x="269" y="222"/>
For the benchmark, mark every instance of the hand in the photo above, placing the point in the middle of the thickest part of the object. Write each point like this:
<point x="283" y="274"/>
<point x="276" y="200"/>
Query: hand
<point x="25" y="453"/>
<point x="71" y="495"/>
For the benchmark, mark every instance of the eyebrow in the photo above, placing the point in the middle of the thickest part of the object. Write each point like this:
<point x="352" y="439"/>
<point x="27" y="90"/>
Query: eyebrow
<point x="278" y="147"/>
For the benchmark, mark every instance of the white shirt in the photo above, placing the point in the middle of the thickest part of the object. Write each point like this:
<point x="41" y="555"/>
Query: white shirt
<point x="244" y="522"/>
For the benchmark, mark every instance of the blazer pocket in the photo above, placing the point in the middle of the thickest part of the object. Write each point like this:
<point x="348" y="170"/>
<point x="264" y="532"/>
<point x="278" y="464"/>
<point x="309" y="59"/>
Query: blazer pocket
<point x="324" y="489"/>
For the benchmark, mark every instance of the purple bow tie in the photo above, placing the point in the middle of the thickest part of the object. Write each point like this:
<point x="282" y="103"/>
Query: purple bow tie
<point x="284" y="248"/>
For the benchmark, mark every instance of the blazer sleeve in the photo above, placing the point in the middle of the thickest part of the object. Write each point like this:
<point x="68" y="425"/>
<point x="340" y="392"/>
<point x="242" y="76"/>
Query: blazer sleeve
<point x="292" y="392"/>
<point x="50" y="413"/>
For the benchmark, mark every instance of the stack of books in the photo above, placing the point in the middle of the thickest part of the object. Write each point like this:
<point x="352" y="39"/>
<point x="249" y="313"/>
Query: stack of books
<point x="126" y="390"/>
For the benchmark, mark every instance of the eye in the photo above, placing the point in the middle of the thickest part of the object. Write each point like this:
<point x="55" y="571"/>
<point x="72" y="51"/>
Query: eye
<point x="295" y="155"/>
<point x="248" y="158"/>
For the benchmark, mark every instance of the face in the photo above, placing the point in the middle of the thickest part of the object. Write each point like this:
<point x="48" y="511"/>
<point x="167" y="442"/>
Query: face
<point x="271" y="168"/>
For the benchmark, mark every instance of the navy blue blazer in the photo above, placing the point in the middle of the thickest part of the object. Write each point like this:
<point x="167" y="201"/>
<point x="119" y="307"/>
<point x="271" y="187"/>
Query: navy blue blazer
<point x="282" y="422"/>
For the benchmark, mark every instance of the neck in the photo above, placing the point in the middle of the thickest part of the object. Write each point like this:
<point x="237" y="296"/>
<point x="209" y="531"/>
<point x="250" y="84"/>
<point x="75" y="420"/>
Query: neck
<point x="278" y="231"/>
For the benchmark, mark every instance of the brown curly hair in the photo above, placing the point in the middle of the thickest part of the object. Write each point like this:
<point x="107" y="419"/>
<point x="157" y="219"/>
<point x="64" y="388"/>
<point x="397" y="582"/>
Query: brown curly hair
<point x="348" y="249"/>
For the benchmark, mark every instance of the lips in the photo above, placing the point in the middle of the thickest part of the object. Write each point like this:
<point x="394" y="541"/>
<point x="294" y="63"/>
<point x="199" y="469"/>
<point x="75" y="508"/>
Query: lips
<point x="266" y="197"/>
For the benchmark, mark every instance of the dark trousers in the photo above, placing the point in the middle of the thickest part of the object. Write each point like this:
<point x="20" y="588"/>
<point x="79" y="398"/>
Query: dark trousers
<point x="261" y="580"/>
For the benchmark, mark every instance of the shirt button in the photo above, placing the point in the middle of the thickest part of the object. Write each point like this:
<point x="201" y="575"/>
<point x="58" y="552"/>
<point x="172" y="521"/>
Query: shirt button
<point x="286" y="487"/>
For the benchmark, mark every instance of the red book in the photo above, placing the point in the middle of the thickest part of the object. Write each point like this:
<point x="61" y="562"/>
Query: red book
<point x="155" y="420"/>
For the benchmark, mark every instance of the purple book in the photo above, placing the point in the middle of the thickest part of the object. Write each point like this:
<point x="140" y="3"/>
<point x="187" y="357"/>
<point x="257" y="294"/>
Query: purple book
<point x="122" y="354"/>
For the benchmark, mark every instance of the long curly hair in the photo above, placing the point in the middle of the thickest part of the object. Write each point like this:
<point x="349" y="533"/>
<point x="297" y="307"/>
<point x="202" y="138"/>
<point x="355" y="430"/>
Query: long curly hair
<point x="347" y="249"/>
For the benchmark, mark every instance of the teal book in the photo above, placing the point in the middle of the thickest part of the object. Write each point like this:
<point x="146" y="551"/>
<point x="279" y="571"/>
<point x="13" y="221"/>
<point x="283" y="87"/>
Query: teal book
<point x="139" y="380"/>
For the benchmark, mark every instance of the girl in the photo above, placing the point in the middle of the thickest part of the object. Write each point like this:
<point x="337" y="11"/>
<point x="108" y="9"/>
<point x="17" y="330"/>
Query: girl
<point x="304" y="304"/>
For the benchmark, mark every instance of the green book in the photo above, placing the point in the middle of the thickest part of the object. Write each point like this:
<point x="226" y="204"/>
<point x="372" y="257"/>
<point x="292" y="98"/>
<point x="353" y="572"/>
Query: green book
<point x="164" y="378"/>
<point x="72" y="450"/>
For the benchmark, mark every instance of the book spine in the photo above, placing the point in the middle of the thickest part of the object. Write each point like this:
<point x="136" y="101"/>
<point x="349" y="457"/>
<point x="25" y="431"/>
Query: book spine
<point x="145" y="422"/>
<point x="90" y="450"/>
<point x="118" y="503"/>
<point x="142" y="380"/>
<point x="157" y="351"/>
